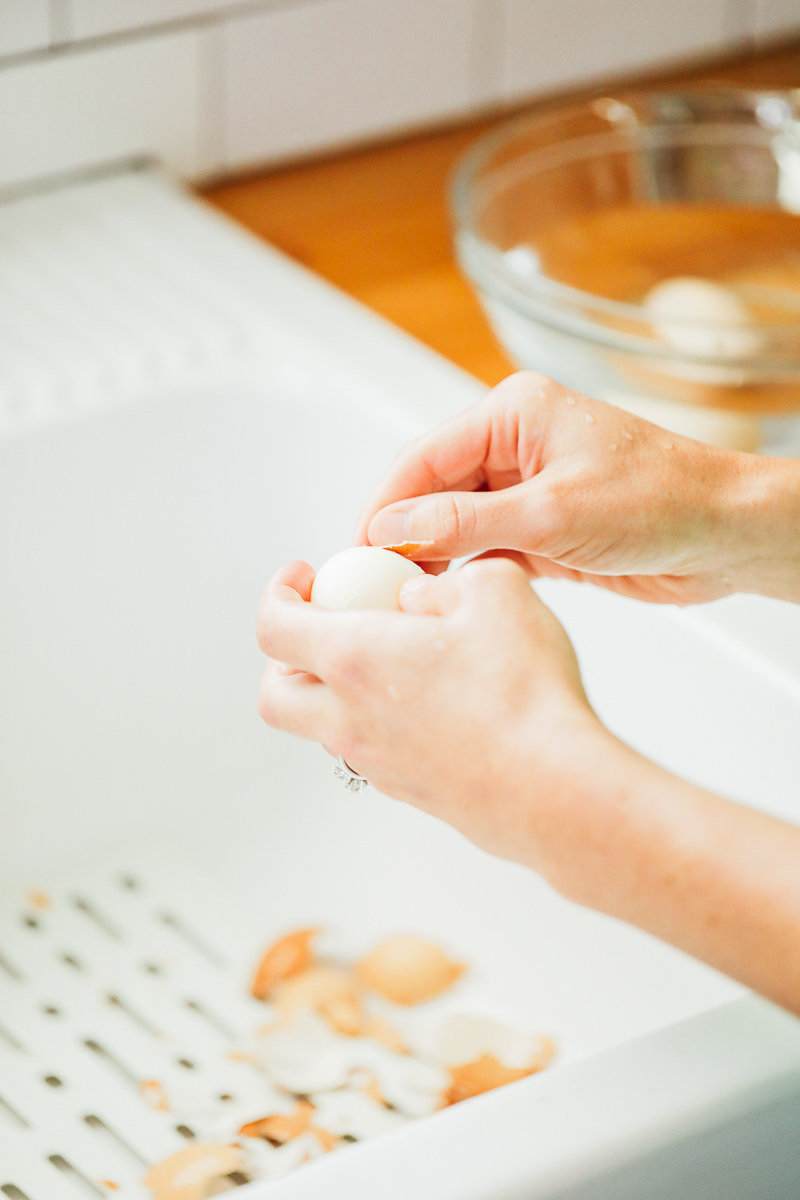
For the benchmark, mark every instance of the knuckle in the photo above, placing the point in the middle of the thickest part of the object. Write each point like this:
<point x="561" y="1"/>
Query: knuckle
<point x="497" y="572"/>
<point x="343" y="667"/>
<point x="455" y="520"/>
<point x="268" y="707"/>
<point x="555" y="511"/>
<point x="351" y="747"/>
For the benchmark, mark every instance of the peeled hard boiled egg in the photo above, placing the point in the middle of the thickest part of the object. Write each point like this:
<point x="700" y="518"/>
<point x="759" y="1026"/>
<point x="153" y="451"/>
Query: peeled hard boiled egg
<point x="362" y="577"/>
<point x="702" y="319"/>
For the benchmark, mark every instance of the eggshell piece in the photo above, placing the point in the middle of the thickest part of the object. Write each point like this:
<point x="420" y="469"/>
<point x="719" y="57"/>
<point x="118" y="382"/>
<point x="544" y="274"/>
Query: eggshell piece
<point x="279" y="1128"/>
<point x="192" y="1172"/>
<point x="465" y="1037"/>
<point x="408" y="970"/>
<point x="483" y="1075"/>
<point x="409" y="549"/>
<point x="320" y="989"/>
<point x="286" y="957"/>
<point x="362" y="577"/>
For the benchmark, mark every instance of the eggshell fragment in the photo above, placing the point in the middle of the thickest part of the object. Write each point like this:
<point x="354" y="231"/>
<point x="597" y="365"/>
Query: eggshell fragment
<point x="279" y="1128"/>
<point x="409" y="549"/>
<point x="154" y="1094"/>
<point x="307" y="1057"/>
<point x="284" y="958"/>
<point x="484" y="1075"/>
<point x="330" y="991"/>
<point x="382" y="1032"/>
<point x="408" y="970"/>
<point x="362" y="577"/>
<point x="355" y="1115"/>
<point x="329" y="1141"/>
<point x="192" y="1172"/>
<point x="464" y="1037"/>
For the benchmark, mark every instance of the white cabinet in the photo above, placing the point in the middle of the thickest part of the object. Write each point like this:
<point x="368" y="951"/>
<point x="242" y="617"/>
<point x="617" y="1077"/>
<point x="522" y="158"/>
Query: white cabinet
<point x="320" y="73"/>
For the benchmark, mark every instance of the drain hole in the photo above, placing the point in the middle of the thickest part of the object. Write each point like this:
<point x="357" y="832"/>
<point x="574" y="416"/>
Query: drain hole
<point x="61" y="1164"/>
<point x="151" y="968"/>
<point x="13" y="1192"/>
<point x="185" y="1132"/>
<point x="9" y="968"/>
<point x="101" y="921"/>
<point x="137" y="1018"/>
<point x="50" y="1010"/>
<point x="129" y="883"/>
<point x="114" y="1062"/>
<point x="30" y="922"/>
<point x="187" y="1063"/>
<point x="212" y="1019"/>
<point x="11" y="1112"/>
<point x="71" y="961"/>
<point x="225" y="1097"/>
<point x="190" y="937"/>
<point x="99" y="1125"/>
<point x="53" y="1081"/>
<point x="237" y="1178"/>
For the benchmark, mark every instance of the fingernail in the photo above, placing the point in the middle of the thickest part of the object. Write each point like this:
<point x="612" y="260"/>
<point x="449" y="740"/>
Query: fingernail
<point x="415" y="584"/>
<point x="389" y="529"/>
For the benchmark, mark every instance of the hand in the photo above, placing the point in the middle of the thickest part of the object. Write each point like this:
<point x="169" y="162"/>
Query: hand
<point x="456" y="705"/>
<point x="584" y="491"/>
<point x="468" y="704"/>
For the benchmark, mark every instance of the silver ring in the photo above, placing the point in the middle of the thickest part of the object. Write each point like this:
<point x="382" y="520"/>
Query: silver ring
<point x="350" y="778"/>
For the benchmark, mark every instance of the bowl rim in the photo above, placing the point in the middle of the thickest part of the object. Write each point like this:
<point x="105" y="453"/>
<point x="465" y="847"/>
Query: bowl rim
<point x="574" y="303"/>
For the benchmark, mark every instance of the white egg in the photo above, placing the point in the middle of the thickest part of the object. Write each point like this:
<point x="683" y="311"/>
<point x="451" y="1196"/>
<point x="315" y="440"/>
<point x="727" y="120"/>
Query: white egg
<point x="362" y="577"/>
<point x="702" y="319"/>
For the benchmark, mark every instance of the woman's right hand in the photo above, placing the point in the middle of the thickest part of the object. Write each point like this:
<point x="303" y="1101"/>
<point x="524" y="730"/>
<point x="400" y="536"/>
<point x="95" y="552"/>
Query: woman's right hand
<point x="579" y="489"/>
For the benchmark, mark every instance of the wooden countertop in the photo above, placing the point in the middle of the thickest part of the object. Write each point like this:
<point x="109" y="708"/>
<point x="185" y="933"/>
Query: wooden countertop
<point x="374" y="220"/>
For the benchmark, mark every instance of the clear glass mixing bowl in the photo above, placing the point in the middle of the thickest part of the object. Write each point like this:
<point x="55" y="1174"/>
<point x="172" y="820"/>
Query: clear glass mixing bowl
<point x="565" y="223"/>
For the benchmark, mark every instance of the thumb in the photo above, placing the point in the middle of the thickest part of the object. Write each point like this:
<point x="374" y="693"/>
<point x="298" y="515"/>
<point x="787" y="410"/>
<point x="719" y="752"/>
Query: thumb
<point x="455" y="523"/>
<point x="430" y="595"/>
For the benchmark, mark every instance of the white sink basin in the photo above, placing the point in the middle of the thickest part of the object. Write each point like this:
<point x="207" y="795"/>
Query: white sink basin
<point x="136" y="537"/>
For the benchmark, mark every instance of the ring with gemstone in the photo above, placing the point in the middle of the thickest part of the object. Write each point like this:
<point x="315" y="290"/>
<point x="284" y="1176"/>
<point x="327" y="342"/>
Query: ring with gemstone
<point x="350" y="778"/>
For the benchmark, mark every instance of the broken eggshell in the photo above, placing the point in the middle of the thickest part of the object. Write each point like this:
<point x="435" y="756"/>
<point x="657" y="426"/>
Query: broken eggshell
<point x="328" y="990"/>
<point x="464" y="1037"/>
<point x="484" y="1075"/>
<point x="362" y="577"/>
<point x="193" y="1172"/>
<point x="306" y="1057"/>
<point x="408" y="970"/>
<point x="288" y="956"/>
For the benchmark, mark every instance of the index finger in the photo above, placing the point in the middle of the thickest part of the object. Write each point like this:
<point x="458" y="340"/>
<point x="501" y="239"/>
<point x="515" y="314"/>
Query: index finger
<point x="289" y="629"/>
<point x="449" y="458"/>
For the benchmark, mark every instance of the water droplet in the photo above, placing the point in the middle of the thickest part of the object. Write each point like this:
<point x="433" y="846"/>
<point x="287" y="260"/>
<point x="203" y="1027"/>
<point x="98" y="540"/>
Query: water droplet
<point x="571" y="401"/>
<point x="589" y="419"/>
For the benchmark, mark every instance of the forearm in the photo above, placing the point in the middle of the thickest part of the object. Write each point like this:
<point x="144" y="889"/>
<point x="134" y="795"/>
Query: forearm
<point x="713" y="878"/>
<point x="760" y="509"/>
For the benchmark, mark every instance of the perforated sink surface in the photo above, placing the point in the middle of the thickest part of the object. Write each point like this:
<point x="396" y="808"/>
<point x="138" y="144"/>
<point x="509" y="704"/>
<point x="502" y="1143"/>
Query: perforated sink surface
<point x="115" y="976"/>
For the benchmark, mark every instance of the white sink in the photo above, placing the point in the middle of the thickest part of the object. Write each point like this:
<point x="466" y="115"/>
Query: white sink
<point x="141" y="512"/>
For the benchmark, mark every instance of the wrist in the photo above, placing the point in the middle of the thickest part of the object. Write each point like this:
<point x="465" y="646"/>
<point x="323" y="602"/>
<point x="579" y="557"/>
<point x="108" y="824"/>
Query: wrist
<point x="575" y="800"/>
<point x="759" y="513"/>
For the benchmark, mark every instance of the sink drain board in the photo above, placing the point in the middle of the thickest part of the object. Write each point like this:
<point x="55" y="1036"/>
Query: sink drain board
<point x="110" y="989"/>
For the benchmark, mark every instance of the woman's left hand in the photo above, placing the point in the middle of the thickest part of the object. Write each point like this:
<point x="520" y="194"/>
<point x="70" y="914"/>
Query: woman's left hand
<point x="467" y="704"/>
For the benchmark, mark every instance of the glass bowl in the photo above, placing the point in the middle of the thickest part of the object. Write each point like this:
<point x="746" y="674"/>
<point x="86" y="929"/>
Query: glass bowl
<point x="646" y="250"/>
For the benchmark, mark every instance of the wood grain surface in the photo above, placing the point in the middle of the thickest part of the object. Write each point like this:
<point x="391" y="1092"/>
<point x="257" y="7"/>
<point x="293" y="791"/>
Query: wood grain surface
<point x="374" y="221"/>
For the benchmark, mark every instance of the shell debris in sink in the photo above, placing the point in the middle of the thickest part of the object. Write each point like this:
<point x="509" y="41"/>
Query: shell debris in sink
<point x="335" y="1069"/>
